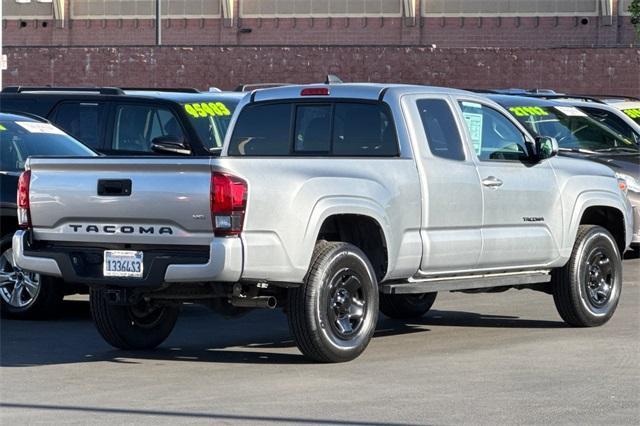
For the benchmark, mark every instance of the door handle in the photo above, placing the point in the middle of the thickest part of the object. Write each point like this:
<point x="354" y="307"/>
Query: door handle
<point x="492" y="182"/>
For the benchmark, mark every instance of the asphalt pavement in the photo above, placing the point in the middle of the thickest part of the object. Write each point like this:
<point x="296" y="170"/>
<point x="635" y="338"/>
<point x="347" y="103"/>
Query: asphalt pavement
<point x="503" y="358"/>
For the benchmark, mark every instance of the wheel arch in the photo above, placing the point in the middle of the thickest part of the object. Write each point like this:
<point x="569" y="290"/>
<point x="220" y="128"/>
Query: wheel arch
<point x="603" y="209"/>
<point x="358" y="221"/>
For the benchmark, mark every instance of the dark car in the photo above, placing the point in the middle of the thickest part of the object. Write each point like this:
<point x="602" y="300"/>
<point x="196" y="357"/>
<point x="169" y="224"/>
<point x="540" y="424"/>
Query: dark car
<point x="24" y="294"/>
<point x="581" y="136"/>
<point x="116" y="121"/>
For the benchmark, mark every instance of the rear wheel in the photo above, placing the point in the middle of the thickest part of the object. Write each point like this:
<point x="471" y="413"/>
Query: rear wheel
<point x="24" y="294"/>
<point x="586" y="291"/>
<point x="406" y="306"/>
<point x="333" y="314"/>
<point x="140" y="326"/>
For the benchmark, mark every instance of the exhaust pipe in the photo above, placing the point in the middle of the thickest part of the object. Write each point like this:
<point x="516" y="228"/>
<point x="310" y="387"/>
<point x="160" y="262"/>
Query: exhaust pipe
<point x="268" y="302"/>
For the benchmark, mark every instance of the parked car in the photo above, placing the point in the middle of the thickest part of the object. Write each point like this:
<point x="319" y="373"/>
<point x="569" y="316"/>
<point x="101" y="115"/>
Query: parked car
<point x="116" y="121"/>
<point x="581" y="136"/>
<point x="26" y="294"/>
<point x="630" y="106"/>
<point x="332" y="201"/>
<point x="621" y="121"/>
<point x="619" y="113"/>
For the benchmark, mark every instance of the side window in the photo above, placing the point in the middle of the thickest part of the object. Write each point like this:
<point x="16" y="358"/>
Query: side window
<point x="137" y="125"/>
<point x="494" y="137"/>
<point x="363" y="130"/>
<point x="82" y="120"/>
<point x="313" y="129"/>
<point x="262" y="130"/>
<point x="440" y="127"/>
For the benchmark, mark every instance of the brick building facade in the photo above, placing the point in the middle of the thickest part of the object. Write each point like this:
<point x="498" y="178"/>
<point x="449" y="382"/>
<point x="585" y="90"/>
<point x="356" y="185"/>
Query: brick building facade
<point x="584" y="52"/>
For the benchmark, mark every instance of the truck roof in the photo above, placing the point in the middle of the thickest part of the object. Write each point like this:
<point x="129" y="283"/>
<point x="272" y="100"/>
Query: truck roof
<point x="370" y="91"/>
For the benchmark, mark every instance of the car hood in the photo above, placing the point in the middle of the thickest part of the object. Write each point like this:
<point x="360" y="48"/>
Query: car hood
<point x="624" y="163"/>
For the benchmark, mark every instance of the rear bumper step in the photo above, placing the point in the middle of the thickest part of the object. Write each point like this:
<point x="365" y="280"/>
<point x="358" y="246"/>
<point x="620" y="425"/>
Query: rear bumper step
<point x="466" y="282"/>
<point x="82" y="263"/>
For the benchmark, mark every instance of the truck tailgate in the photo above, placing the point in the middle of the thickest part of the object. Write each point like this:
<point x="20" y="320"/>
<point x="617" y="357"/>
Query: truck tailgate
<point x="143" y="200"/>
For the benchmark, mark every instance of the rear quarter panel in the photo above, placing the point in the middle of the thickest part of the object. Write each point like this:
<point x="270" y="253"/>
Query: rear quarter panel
<point x="289" y="199"/>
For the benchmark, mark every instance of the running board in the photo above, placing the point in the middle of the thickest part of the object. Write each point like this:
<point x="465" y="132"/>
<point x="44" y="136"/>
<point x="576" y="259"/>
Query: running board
<point x="466" y="282"/>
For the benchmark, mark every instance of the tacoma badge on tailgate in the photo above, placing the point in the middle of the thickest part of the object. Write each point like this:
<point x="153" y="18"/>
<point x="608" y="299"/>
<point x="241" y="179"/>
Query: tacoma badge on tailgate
<point x="122" y="229"/>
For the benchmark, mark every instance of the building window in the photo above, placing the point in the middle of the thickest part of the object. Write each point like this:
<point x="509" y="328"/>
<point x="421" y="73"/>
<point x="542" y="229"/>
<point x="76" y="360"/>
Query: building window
<point x="144" y="9"/>
<point x="319" y="8"/>
<point x="11" y="9"/>
<point x="623" y="7"/>
<point x="431" y="8"/>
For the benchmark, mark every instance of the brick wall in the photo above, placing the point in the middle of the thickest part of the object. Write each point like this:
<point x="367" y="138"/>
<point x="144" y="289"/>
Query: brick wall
<point x="580" y="70"/>
<point x="527" y="32"/>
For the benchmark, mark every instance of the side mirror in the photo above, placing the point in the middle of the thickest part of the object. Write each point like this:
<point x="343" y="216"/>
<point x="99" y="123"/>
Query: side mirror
<point x="170" y="145"/>
<point x="546" y="147"/>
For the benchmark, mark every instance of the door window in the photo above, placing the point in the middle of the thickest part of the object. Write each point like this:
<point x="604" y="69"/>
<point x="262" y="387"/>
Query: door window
<point x="440" y="128"/>
<point x="82" y="120"/>
<point x="136" y="126"/>
<point x="494" y="136"/>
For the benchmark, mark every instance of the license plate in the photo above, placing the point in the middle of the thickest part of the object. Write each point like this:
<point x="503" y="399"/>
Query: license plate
<point x="122" y="263"/>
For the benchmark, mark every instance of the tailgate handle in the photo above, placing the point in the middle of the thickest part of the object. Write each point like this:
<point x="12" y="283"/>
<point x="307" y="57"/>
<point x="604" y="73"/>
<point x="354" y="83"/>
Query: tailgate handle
<point x="114" y="187"/>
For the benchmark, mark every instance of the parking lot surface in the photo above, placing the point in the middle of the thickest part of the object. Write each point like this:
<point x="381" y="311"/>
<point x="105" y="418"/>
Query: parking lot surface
<point x="476" y="359"/>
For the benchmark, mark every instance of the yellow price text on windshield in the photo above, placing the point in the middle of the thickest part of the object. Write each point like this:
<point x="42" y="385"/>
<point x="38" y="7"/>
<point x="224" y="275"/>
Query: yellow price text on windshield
<point x="207" y="109"/>
<point x="2" y="127"/>
<point x="528" y="111"/>
<point x="633" y="113"/>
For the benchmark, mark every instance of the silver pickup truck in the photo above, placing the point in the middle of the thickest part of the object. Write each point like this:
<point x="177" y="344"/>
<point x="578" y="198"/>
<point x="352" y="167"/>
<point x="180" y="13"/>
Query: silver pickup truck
<point x="333" y="202"/>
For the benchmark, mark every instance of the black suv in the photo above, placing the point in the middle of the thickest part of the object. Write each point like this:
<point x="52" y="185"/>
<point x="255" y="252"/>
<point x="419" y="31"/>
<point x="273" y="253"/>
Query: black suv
<point x="25" y="294"/>
<point x="117" y="121"/>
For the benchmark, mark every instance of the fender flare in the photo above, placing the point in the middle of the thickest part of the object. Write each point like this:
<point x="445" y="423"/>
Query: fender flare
<point x="339" y="205"/>
<point x="590" y="198"/>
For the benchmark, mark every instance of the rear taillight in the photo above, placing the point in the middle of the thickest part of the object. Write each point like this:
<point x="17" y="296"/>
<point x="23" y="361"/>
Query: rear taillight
<point x="24" y="215"/>
<point x="228" y="204"/>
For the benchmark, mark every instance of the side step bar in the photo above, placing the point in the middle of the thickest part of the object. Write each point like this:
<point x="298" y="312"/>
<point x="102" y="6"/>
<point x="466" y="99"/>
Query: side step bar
<point x="466" y="282"/>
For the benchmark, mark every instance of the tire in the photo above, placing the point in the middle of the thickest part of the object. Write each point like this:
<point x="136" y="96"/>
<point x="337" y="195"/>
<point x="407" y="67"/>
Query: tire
<point x="333" y="314"/>
<point x="406" y="306"/>
<point x="127" y="327"/>
<point x="23" y="294"/>
<point x="587" y="289"/>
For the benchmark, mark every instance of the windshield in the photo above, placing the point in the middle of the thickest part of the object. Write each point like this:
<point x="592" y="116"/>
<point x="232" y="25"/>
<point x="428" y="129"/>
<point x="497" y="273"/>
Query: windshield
<point x="572" y="128"/>
<point x="211" y="120"/>
<point x="633" y="113"/>
<point x="21" y="139"/>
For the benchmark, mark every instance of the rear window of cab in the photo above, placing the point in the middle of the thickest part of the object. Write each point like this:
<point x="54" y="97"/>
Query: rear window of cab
<point x="341" y="129"/>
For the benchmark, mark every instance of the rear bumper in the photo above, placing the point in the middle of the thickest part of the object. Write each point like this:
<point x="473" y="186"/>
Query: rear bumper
<point x="81" y="263"/>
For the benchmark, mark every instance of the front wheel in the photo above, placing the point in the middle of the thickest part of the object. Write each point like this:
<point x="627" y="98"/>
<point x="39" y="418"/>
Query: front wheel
<point x="333" y="314"/>
<point x="586" y="291"/>
<point x="140" y="326"/>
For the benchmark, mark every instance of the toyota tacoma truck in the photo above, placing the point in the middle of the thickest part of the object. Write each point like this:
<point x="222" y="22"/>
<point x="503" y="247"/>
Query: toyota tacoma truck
<point x="333" y="202"/>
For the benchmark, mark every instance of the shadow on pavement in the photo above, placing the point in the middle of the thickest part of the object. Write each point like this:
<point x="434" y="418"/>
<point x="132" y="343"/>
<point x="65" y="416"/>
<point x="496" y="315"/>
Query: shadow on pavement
<point x="188" y="415"/>
<point x="472" y="319"/>
<point x="261" y="336"/>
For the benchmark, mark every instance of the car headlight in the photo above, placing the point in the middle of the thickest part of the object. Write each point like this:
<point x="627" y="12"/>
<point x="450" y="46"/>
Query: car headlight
<point x="632" y="183"/>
